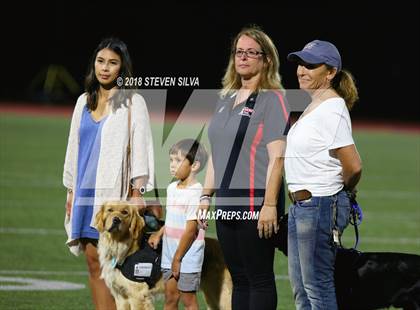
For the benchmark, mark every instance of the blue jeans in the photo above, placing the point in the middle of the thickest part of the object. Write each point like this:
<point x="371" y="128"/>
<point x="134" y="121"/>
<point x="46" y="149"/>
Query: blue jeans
<point x="312" y="251"/>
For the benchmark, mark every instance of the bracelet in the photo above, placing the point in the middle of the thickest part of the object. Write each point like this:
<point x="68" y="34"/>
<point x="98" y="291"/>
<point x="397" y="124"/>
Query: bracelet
<point x="69" y="190"/>
<point x="205" y="197"/>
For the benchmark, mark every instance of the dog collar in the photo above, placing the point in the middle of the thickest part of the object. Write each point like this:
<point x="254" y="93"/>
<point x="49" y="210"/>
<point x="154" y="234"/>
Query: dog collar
<point x="113" y="262"/>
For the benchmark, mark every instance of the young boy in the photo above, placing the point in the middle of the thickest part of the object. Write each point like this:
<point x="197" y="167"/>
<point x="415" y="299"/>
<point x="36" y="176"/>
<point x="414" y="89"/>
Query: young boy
<point x="183" y="242"/>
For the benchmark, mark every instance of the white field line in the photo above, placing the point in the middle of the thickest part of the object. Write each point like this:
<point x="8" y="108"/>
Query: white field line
<point x="61" y="232"/>
<point x="31" y="231"/>
<point x="389" y="193"/>
<point x="29" y="284"/>
<point x="70" y="273"/>
<point x="382" y="240"/>
<point x="44" y="272"/>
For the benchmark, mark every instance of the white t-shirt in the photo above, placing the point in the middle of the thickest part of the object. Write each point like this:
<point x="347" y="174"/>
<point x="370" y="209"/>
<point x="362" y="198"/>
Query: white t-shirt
<point x="181" y="206"/>
<point x="308" y="164"/>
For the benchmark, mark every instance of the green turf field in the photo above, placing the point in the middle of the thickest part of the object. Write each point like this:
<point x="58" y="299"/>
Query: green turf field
<point x="32" y="209"/>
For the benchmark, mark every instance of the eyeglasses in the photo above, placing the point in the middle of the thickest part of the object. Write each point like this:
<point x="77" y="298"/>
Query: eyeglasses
<point x="250" y="53"/>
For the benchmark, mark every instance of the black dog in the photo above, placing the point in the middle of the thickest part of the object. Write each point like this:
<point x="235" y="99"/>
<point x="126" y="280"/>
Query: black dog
<point x="370" y="280"/>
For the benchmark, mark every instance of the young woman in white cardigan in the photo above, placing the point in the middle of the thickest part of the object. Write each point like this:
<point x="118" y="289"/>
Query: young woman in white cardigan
<point x="96" y="164"/>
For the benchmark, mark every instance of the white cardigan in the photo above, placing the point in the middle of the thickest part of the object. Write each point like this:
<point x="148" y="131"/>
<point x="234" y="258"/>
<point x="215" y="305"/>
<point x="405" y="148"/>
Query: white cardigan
<point x="112" y="156"/>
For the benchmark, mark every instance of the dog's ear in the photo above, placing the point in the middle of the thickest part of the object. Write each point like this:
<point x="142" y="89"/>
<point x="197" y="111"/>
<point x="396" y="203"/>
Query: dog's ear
<point x="99" y="219"/>
<point x="136" y="224"/>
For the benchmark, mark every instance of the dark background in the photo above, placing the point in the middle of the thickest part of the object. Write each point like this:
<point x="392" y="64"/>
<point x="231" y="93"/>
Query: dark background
<point x="379" y="44"/>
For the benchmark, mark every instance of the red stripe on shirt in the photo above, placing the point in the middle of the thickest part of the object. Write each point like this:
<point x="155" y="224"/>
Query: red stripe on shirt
<point x="255" y="142"/>
<point x="283" y="106"/>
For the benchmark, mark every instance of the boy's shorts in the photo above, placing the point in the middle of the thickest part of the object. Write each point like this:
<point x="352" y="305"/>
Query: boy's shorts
<point x="187" y="282"/>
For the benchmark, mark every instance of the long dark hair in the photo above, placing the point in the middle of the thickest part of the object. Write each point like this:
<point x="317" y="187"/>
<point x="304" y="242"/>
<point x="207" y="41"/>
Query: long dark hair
<point x="92" y="83"/>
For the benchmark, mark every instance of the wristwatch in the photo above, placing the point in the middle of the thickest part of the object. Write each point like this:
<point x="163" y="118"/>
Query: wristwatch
<point x="142" y="190"/>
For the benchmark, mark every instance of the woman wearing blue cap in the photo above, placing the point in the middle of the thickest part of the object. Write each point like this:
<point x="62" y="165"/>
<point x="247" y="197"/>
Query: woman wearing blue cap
<point x="322" y="165"/>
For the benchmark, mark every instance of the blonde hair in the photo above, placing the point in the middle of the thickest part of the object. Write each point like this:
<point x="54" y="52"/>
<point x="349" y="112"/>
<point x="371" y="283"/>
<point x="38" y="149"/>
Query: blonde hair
<point x="270" y="77"/>
<point x="345" y="85"/>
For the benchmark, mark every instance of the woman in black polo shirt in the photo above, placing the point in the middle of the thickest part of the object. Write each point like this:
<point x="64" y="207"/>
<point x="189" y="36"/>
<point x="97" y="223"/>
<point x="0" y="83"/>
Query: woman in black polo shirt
<point x="247" y="143"/>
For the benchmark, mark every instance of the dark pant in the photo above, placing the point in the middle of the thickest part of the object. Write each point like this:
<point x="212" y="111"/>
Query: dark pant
<point x="250" y="263"/>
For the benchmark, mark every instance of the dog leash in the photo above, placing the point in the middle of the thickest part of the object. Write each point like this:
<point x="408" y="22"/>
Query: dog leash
<point x="152" y="222"/>
<point x="355" y="218"/>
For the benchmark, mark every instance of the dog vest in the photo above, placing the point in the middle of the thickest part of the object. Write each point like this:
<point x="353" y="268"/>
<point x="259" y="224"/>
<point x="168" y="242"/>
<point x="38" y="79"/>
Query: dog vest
<point x="143" y="265"/>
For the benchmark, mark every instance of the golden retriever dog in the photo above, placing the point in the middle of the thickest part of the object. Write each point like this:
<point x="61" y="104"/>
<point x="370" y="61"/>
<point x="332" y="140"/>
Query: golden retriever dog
<point x="121" y="231"/>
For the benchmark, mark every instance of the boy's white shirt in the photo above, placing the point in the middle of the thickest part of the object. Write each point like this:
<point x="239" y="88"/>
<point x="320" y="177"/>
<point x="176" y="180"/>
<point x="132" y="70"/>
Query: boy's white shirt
<point x="181" y="206"/>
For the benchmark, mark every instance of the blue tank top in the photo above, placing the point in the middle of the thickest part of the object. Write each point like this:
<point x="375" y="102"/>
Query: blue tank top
<point x="89" y="149"/>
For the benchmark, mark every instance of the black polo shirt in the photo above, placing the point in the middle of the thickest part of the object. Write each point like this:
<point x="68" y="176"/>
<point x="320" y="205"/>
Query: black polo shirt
<point x="268" y="120"/>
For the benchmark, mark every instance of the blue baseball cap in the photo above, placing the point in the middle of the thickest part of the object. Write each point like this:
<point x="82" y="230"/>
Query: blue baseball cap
<point x="318" y="52"/>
